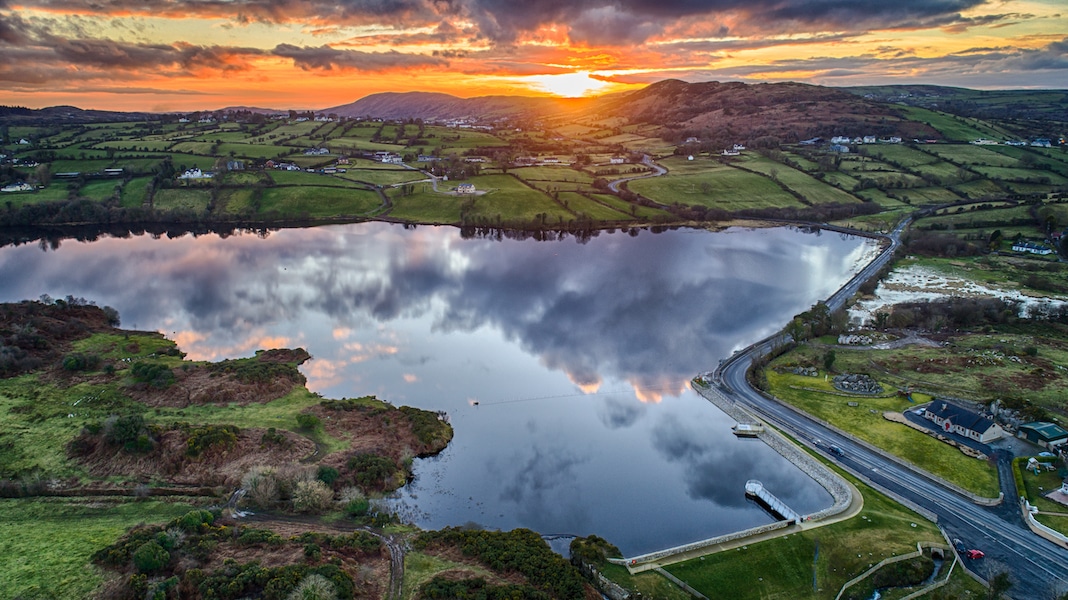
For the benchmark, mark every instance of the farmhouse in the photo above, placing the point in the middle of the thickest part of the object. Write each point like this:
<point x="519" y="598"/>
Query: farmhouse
<point x="1048" y="435"/>
<point x="961" y="421"/>
<point x="1031" y="248"/>
<point x="465" y="188"/>
<point x="17" y="187"/>
<point x="616" y="160"/>
<point x="195" y="173"/>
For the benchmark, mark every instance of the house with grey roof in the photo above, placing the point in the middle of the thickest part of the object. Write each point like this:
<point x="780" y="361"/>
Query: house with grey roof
<point x="961" y="421"/>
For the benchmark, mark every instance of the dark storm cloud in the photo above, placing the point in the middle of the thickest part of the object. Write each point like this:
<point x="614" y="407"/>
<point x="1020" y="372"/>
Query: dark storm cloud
<point x="327" y="58"/>
<point x="599" y="22"/>
<point x="634" y="21"/>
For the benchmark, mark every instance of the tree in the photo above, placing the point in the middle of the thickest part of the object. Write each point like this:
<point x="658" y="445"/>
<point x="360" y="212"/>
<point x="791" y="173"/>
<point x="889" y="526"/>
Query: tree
<point x="828" y="360"/>
<point x="43" y="174"/>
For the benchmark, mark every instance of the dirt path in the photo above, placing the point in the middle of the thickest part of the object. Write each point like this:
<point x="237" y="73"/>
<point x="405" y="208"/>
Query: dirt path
<point x="396" y="544"/>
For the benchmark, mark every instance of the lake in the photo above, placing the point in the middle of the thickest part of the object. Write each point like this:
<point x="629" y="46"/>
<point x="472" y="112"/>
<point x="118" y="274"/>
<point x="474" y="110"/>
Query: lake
<point x="564" y="366"/>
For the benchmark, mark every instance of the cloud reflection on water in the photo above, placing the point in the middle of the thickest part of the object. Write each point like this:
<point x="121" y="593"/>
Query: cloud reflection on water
<point x="557" y="342"/>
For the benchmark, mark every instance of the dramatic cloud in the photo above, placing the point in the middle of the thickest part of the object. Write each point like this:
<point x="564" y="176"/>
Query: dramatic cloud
<point x="263" y="49"/>
<point x="327" y="58"/>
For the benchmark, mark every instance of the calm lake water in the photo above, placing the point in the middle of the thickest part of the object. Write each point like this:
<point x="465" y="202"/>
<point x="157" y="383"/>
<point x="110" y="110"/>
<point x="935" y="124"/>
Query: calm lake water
<point x="564" y="366"/>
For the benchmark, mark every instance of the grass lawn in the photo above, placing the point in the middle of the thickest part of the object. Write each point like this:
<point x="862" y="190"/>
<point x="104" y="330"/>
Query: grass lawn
<point x="316" y="201"/>
<point x="1035" y="488"/>
<point x="715" y="186"/>
<point x="182" y="198"/>
<point x="425" y="206"/>
<point x="866" y="422"/>
<point x="784" y="568"/>
<point x="45" y="545"/>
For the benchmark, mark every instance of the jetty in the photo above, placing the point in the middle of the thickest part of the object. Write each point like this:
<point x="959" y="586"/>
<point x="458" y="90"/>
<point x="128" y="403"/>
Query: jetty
<point x="757" y="490"/>
<point x="748" y="429"/>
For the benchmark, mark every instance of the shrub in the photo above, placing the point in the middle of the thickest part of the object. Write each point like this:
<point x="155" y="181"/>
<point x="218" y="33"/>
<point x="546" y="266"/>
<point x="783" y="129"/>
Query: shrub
<point x="150" y="557"/>
<point x="78" y="361"/>
<point x="372" y="471"/>
<point x="314" y="587"/>
<point x="312" y="496"/>
<point x="261" y="486"/>
<point x="154" y="374"/>
<point x="202" y="438"/>
<point x="327" y="475"/>
<point x="307" y="421"/>
<point x="192" y="520"/>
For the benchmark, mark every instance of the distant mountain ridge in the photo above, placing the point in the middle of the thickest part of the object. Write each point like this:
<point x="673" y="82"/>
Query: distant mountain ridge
<point x="436" y="105"/>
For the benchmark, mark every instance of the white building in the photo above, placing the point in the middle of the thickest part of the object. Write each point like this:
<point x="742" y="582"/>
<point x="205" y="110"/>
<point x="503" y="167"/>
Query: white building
<point x="465" y="188"/>
<point x="195" y="173"/>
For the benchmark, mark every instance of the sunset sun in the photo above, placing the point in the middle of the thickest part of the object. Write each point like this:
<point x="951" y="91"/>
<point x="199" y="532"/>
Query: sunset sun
<point x="569" y="85"/>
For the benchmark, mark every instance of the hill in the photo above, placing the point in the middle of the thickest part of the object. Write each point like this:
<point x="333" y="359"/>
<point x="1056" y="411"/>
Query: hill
<point x="429" y="105"/>
<point x="788" y="111"/>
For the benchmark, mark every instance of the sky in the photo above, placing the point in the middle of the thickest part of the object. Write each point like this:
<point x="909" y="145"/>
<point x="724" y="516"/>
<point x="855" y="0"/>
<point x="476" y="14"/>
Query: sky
<point x="171" y="55"/>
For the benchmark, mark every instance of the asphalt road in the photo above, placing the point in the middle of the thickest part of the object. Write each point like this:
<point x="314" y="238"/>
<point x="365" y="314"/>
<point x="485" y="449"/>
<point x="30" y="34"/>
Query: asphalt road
<point x="647" y="161"/>
<point x="1038" y="568"/>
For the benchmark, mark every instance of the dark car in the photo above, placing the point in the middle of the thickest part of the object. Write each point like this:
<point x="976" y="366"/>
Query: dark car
<point x="835" y="450"/>
<point x="959" y="545"/>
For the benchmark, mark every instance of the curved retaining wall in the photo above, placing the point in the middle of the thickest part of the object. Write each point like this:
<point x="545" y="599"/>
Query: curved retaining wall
<point x="723" y="539"/>
<point x="837" y="487"/>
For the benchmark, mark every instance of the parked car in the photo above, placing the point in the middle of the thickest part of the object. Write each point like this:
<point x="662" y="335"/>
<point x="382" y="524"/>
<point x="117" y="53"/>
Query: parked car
<point x="959" y="545"/>
<point x="974" y="554"/>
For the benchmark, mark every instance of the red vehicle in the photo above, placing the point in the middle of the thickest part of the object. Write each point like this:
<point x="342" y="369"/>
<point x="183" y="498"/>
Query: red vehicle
<point x="974" y="554"/>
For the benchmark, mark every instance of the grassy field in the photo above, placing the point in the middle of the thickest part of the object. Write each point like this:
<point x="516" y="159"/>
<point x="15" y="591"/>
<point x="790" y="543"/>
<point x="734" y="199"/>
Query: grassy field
<point x="315" y="201"/>
<point x="642" y="212"/>
<point x="313" y="179"/>
<point x="425" y="206"/>
<point x="510" y="199"/>
<point x="713" y="185"/>
<point x="182" y="199"/>
<point x="972" y="155"/>
<point x="45" y="545"/>
<point x="865" y="420"/>
<point x="135" y="192"/>
<point x="958" y="129"/>
<point x="789" y="566"/>
<point x="383" y="177"/>
<point x="811" y="189"/>
<point x="591" y="208"/>
<point x="100" y="190"/>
